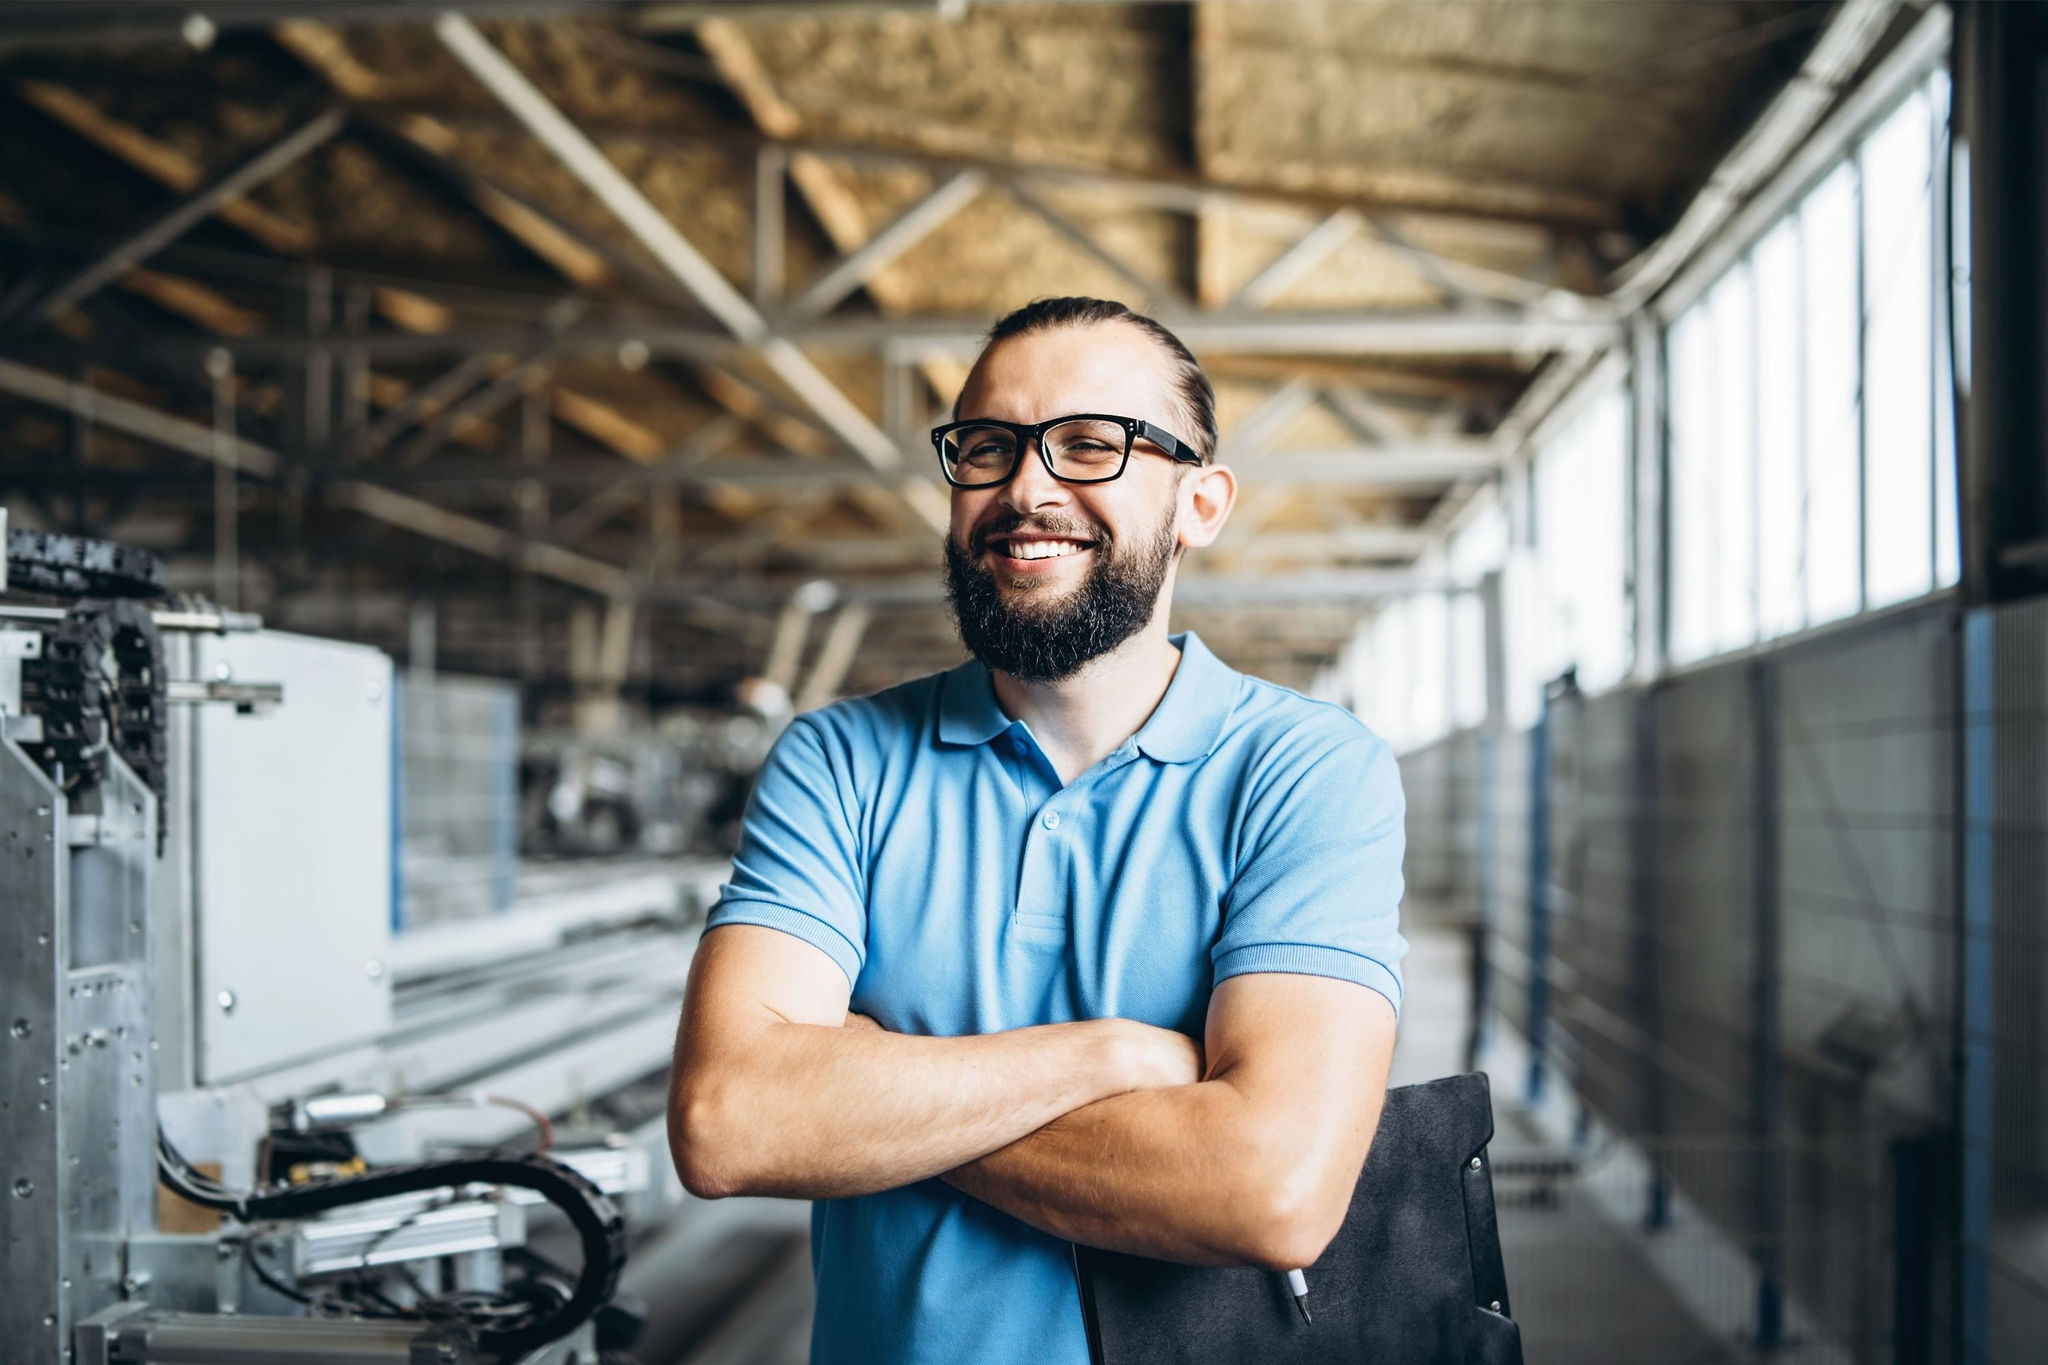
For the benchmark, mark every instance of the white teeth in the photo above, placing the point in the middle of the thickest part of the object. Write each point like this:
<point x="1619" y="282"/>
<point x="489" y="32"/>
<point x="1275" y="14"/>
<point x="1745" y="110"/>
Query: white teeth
<point x="1043" y="549"/>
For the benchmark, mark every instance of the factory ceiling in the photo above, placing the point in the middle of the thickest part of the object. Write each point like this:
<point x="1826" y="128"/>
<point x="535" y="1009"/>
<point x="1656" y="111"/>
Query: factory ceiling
<point x="603" y="328"/>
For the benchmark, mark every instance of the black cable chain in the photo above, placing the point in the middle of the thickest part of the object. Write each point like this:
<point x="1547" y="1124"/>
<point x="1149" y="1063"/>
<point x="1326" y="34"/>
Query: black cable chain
<point x="75" y="566"/>
<point x="100" y="684"/>
<point x="596" y="1219"/>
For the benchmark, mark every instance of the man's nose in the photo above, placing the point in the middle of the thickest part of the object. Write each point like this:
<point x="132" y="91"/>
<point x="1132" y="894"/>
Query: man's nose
<point x="1033" y="484"/>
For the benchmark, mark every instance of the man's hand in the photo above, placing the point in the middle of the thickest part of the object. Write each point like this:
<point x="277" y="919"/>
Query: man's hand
<point x="1164" y="1059"/>
<point x="777" y="1090"/>
<point x="1254" y="1165"/>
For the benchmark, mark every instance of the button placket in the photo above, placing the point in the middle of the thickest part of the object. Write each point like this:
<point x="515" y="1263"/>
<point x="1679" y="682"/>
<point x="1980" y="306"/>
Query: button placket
<point x="1040" y="913"/>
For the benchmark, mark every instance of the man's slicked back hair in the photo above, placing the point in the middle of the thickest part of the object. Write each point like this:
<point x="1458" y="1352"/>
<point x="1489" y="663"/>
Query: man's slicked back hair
<point x="1190" y="383"/>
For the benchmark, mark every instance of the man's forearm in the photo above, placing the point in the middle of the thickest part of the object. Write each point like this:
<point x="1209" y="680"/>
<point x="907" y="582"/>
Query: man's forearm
<point x="814" y="1111"/>
<point x="1182" y="1174"/>
<point x="1255" y="1165"/>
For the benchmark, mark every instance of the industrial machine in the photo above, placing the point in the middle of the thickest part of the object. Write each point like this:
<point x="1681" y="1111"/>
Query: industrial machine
<point x="246" y="1114"/>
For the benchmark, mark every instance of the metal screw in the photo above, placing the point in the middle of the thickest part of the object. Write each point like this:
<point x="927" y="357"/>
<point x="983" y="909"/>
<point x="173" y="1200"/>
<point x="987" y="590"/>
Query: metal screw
<point x="24" y="1188"/>
<point x="375" y="691"/>
<point x="1495" y="1305"/>
<point x="224" y="671"/>
<point x="1475" y="1163"/>
<point x="134" y="1282"/>
<point x="374" y="969"/>
<point x="49" y="1319"/>
<point x="226" y="1000"/>
<point x="23" y="1028"/>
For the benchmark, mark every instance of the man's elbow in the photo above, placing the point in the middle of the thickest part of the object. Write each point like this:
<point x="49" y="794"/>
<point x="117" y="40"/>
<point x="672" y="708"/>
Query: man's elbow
<point x="1295" y="1222"/>
<point x="704" y="1145"/>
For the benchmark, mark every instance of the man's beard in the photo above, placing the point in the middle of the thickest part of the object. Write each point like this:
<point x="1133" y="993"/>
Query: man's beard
<point x="1051" y="642"/>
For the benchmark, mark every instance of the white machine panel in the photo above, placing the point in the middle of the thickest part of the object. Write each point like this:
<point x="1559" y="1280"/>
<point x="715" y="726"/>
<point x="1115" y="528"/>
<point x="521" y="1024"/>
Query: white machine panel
<point x="292" y="811"/>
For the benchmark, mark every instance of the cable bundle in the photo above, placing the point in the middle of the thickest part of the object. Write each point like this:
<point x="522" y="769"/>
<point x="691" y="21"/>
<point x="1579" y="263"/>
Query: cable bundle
<point x="508" y="1326"/>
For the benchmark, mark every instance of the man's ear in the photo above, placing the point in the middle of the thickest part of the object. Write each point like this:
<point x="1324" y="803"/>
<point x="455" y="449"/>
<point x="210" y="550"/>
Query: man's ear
<point x="1206" y="497"/>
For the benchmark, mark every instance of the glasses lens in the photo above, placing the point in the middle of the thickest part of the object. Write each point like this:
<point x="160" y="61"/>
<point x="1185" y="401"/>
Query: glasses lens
<point x="979" y="454"/>
<point x="1087" y="449"/>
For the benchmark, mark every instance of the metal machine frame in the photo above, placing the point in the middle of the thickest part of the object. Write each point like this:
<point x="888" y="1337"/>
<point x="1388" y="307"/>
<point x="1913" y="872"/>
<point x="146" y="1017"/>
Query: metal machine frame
<point x="565" y="1000"/>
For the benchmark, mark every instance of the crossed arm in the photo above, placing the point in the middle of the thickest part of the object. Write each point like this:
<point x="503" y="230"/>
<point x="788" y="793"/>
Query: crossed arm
<point x="1103" y="1131"/>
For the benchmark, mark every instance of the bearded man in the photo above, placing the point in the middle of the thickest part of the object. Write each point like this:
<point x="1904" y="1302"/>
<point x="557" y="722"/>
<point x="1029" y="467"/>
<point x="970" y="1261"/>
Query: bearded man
<point x="978" y="922"/>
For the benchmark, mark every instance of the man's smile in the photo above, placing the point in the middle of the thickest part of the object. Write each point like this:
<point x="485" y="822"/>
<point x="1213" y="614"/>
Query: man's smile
<point x="1029" y="552"/>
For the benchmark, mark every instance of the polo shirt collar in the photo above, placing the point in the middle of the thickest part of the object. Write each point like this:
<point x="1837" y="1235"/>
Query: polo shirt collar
<point x="1188" y="722"/>
<point x="968" y="713"/>
<point x="1185" y="726"/>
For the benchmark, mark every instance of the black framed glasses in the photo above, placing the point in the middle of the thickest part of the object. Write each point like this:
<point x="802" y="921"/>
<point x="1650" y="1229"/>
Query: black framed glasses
<point x="1082" y="447"/>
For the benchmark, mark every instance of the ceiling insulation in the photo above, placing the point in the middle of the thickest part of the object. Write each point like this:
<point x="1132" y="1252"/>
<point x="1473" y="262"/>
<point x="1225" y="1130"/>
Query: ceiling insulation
<point x="1390" y="163"/>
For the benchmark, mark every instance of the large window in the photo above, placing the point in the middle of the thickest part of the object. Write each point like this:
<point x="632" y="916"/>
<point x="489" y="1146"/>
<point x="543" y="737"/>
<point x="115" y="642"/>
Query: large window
<point x="1477" y="547"/>
<point x="1811" y="445"/>
<point x="1810" y="453"/>
<point x="1416" y="667"/>
<point x="1581" y="540"/>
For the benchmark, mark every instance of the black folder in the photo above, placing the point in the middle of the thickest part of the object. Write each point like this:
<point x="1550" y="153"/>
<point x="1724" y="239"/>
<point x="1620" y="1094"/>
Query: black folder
<point x="1413" y="1278"/>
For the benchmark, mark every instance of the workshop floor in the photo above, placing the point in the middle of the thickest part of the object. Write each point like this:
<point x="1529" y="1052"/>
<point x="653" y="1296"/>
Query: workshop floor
<point x="1580" y="1288"/>
<point x="736" y="1290"/>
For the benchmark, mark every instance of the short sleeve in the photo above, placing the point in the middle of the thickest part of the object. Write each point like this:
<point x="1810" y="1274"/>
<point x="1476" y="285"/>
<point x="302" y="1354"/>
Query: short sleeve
<point x="1318" y="886"/>
<point x="799" y="868"/>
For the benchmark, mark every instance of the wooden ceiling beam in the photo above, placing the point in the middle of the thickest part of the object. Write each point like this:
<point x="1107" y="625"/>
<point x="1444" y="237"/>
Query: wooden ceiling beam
<point x="175" y="170"/>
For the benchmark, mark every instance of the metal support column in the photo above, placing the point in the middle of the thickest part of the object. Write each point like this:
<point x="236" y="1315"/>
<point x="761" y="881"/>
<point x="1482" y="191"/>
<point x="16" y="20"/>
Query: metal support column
<point x="1487" y="820"/>
<point x="535" y="440"/>
<point x="1915" y="1171"/>
<point x="227" y="490"/>
<point x="1538" y="1029"/>
<point x="1646" y="953"/>
<point x="354" y="398"/>
<point x="2001" y="80"/>
<point x="79" y="522"/>
<point x="315" y="389"/>
<point x="1479" y="1031"/>
<point x="1769" y="1190"/>
<point x="1977" y="1034"/>
<point x="1647" y="524"/>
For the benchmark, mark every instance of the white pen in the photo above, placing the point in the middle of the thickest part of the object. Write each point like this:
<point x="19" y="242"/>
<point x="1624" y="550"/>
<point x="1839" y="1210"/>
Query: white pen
<point x="1297" y="1285"/>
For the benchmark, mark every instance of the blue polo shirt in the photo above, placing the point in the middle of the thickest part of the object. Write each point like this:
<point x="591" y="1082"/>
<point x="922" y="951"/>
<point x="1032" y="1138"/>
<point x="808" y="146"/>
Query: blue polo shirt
<point x="921" y="839"/>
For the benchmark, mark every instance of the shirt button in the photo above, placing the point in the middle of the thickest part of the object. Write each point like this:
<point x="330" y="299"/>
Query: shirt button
<point x="1051" y="819"/>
